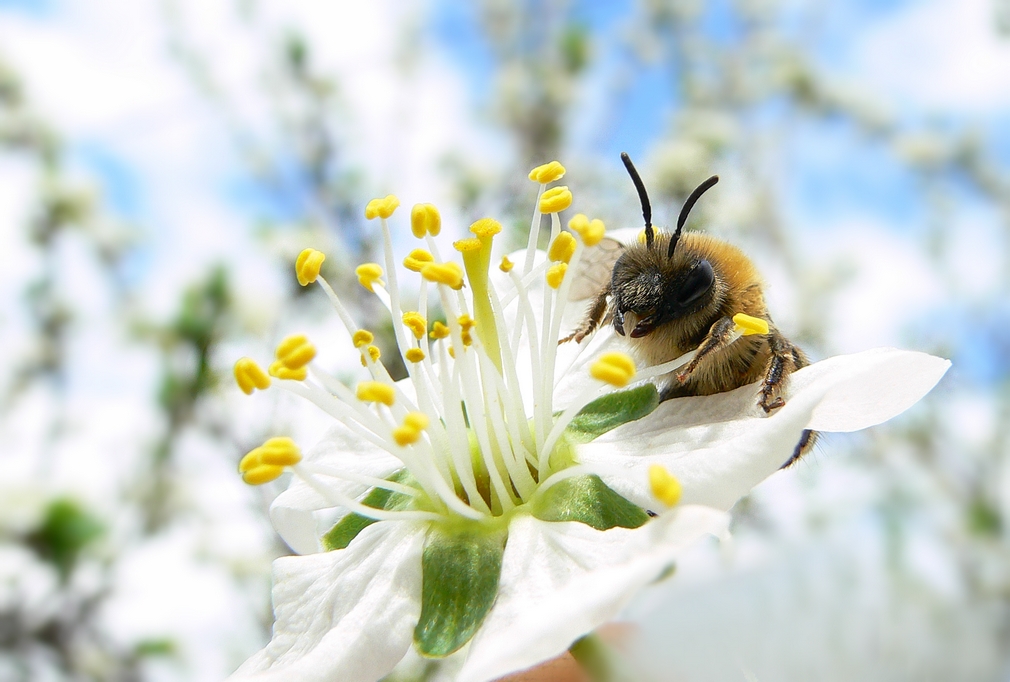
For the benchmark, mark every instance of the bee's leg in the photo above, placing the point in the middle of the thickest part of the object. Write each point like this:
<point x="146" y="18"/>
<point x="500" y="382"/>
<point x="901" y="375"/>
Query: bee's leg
<point x="717" y="338"/>
<point x="594" y="316"/>
<point x="807" y="440"/>
<point x="785" y="358"/>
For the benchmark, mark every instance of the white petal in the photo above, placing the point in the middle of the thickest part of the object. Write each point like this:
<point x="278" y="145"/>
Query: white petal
<point x="723" y="445"/>
<point x="293" y="511"/>
<point x="346" y="615"/>
<point x="561" y="581"/>
<point x="870" y="387"/>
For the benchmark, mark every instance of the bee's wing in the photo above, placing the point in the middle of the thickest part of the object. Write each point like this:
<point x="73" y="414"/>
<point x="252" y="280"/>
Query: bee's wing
<point x="594" y="269"/>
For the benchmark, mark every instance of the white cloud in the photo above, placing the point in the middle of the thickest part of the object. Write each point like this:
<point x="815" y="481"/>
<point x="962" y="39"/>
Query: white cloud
<point x="943" y="54"/>
<point x="889" y="283"/>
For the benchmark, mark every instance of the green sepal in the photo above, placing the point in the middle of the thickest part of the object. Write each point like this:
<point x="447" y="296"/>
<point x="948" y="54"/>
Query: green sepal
<point x="347" y="528"/>
<point x="460" y="569"/>
<point x="588" y="500"/>
<point x="611" y="411"/>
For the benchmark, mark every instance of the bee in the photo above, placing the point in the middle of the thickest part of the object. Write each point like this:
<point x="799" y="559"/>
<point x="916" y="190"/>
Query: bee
<point x="678" y="292"/>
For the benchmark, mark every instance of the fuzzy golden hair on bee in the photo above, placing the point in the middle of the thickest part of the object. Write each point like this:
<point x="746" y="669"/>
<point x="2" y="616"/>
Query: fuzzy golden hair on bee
<point x="678" y="292"/>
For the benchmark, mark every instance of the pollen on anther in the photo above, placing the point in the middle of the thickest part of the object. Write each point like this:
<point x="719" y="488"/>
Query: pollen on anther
<point x="562" y="248"/>
<point x="369" y="274"/>
<point x="750" y="325"/>
<point x="439" y="330"/>
<point x="614" y="368"/>
<point x="280" y="371"/>
<point x="591" y="231"/>
<point x="449" y="274"/>
<point x="295" y="351"/>
<point x="362" y="337"/>
<point x="280" y="451"/>
<point x="556" y="274"/>
<point x="425" y="219"/>
<point x="249" y="376"/>
<point x="307" y="266"/>
<point x="417" y="259"/>
<point x="375" y="392"/>
<point x="373" y="352"/>
<point x="665" y="486"/>
<point x="262" y="474"/>
<point x="381" y="208"/>
<point x="506" y="265"/>
<point x="548" y="172"/>
<point x="555" y="200"/>
<point x="416" y="323"/>
<point x="414" y="355"/>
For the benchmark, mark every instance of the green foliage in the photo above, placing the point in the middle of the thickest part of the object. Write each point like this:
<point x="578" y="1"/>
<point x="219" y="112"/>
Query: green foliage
<point x="65" y="532"/>
<point x="984" y="519"/>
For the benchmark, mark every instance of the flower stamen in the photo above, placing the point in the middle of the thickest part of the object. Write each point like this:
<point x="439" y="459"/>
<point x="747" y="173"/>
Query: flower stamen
<point x="249" y="376"/>
<point x="665" y="486"/>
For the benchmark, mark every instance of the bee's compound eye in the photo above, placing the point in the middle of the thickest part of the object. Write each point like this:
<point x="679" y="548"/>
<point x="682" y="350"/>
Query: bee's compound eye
<point x="697" y="283"/>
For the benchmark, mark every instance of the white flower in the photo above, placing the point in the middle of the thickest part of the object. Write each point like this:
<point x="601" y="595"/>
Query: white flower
<point x="472" y="508"/>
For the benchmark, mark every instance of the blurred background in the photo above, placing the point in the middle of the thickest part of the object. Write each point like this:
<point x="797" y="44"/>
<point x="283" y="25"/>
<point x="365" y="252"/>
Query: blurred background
<point x="162" y="162"/>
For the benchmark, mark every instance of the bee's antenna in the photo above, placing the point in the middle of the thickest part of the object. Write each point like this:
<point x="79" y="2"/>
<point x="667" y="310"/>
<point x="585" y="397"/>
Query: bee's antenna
<point x="643" y="196"/>
<point x="684" y="212"/>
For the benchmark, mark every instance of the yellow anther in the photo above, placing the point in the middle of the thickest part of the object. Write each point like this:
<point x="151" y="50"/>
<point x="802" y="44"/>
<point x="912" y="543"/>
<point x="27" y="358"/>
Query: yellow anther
<point x="750" y="325"/>
<point x="267" y="462"/>
<point x="486" y="227"/>
<point x="414" y="355"/>
<point x="665" y="486"/>
<point x="464" y="245"/>
<point x="590" y="231"/>
<point x="466" y="337"/>
<point x="307" y="266"/>
<point x="373" y="352"/>
<point x="425" y="218"/>
<point x="439" y="330"/>
<point x="249" y="376"/>
<point x="417" y="259"/>
<point x="555" y="200"/>
<point x="376" y="392"/>
<point x="404" y="435"/>
<point x="466" y="322"/>
<point x="614" y="368"/>
<point x="416" y="420"/>
<point x="369" y="274"/>
<point x="549" y="172"/>
<point x="449" y="274"/>
<point x="251" y="460"/>
<point x="416" y="323"/>
<point x="295" y="352"/>
<point x="413" y="424"/>
<point x="562" y="248"/>
<point x="556" y="274"/>
<point x="506" y="264"/>
<point x="452" y="352"/>
<point x="279" y="452"/>
<point x="362" y="337"/>
<point x="641" y="237"/>
<point x="381" y="208"/>
<point x="262" y="474"/>
<point x="278" y="370"/>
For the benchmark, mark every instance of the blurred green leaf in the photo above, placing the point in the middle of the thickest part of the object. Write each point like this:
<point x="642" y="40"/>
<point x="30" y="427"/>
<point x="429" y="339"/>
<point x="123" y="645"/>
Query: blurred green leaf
<point x="66" y="530"/>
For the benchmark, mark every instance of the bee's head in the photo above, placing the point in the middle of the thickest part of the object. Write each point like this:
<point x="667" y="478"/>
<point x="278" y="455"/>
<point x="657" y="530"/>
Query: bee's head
<point x="657" y="282"/>
<point x="658" y="290"/>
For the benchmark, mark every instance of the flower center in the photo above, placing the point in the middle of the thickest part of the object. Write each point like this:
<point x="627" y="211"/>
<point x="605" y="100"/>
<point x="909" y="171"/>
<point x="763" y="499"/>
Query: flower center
<point x="475" y="427"/>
